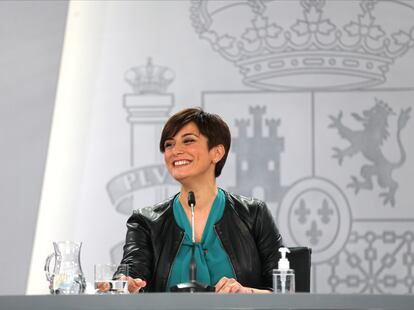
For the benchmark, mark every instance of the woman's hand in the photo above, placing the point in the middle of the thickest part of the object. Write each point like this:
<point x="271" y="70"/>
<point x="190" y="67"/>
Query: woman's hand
<point x="134" y="285"/>
<point x="226" y="285"/>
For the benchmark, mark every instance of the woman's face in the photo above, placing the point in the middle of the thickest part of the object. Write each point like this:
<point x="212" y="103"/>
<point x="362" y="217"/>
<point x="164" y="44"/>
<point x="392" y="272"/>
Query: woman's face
<point x="187" y="156"/>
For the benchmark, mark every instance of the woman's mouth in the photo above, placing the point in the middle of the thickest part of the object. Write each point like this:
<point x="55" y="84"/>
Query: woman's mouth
<point x="180" y="163"/>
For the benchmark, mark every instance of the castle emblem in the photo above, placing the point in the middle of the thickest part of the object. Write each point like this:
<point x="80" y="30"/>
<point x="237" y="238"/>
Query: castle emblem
<point x="368" y="141"/>
<point x="258" y="157"/>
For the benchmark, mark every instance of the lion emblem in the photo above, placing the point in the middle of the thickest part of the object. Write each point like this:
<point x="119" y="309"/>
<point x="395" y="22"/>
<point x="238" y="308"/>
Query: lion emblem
<point x="368" y="141"/>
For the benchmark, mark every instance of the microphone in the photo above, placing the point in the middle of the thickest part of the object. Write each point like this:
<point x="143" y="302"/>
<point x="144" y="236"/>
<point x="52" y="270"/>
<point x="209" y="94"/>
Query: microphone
<point x="193" y="267"/>
<point x="192" y="286"/>
<point x="191" y="202"/>
<point x="191" y="199"/>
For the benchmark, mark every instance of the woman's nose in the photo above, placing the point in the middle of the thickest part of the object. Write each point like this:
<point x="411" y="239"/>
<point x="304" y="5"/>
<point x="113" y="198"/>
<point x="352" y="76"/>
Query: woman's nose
<point x="177" y="149"/>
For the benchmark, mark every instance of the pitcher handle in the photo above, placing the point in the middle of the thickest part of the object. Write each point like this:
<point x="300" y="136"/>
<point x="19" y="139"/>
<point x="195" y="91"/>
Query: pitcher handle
<point x="47" y="266"/>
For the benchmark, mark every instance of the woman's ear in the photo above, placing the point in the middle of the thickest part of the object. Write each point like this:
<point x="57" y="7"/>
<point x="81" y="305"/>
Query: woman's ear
<point x="218" y="153"/>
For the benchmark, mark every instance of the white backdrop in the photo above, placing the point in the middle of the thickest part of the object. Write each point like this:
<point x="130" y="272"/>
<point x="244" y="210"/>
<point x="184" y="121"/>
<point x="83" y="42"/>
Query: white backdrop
<point x="318" y="97"/>
<point x="31" y="41"/>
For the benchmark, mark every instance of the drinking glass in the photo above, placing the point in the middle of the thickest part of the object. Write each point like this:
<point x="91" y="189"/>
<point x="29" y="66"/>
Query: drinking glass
<point x="107" y="280"/>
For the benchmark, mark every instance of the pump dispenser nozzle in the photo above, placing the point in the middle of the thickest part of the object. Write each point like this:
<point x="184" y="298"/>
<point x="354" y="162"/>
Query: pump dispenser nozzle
<point x="283" y="263"/>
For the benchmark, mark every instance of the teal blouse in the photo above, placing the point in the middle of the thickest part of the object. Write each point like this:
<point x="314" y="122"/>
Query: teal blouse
<point x="212" y="260"/>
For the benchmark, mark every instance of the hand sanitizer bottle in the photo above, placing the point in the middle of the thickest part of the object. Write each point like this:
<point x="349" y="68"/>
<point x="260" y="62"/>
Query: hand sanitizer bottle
<point x="283" y="277"/>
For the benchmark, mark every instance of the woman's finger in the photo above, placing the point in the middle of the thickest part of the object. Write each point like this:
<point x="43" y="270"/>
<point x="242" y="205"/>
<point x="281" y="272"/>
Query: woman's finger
<point x="226" y="287"/>
<point x="229" y="286"/>
<point x="232" y="286"/>
<point x="103" y="287"/>
<point x="236" y="288"/>
<point x="139" y="284"/>
<point x="220" y="284"/>
<point x="134" y="285"/>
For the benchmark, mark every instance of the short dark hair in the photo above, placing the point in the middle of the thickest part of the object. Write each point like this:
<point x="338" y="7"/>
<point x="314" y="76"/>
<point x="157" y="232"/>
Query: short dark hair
<point x="210" y="125"/>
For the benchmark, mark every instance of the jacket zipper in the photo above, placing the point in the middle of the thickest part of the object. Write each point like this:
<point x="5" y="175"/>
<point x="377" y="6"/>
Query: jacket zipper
<point x="222" y="244"/>
<point x="175" y="256"/>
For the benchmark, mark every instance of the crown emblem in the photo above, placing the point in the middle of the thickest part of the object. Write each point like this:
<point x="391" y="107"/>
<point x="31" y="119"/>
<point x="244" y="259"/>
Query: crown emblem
<point x="149" y="79"/>
<point x="307" y="44"/>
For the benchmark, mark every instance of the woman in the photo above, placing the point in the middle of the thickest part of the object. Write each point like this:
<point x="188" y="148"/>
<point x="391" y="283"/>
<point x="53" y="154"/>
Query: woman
<point x="236" y="239"/>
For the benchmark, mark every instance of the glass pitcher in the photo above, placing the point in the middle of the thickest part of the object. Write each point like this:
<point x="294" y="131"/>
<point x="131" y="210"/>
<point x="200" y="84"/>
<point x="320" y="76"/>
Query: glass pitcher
<point x="67" y="276"/>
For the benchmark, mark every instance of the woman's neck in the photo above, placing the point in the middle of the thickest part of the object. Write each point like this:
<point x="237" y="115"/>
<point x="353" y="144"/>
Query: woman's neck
<point x="204" y="195"/>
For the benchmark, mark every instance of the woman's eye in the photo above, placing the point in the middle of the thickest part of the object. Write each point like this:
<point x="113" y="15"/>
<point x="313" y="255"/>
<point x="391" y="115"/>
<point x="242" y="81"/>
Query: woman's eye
<point x="168" y="145"/>
<point x="188" y="141"/>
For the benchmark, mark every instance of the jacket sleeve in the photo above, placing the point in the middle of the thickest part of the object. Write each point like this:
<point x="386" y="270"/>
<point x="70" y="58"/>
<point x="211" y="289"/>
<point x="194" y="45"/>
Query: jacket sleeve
<point x="268" y="241"/>
<point x="138" y="250"/>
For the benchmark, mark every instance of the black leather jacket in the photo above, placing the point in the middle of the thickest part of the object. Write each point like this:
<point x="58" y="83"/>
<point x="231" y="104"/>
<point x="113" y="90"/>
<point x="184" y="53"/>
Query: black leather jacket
<point x="246" y="230"/>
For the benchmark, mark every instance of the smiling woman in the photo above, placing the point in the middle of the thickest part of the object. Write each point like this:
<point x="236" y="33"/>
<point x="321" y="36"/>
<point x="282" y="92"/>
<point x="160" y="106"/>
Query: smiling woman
<point x="195" y="147"/>
<point x="235" y="242"/>
<point x="210" y="126"/>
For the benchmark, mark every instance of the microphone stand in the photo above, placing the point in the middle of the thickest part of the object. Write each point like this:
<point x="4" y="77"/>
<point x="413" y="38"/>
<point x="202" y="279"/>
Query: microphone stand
<point x="193" y="286"/>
